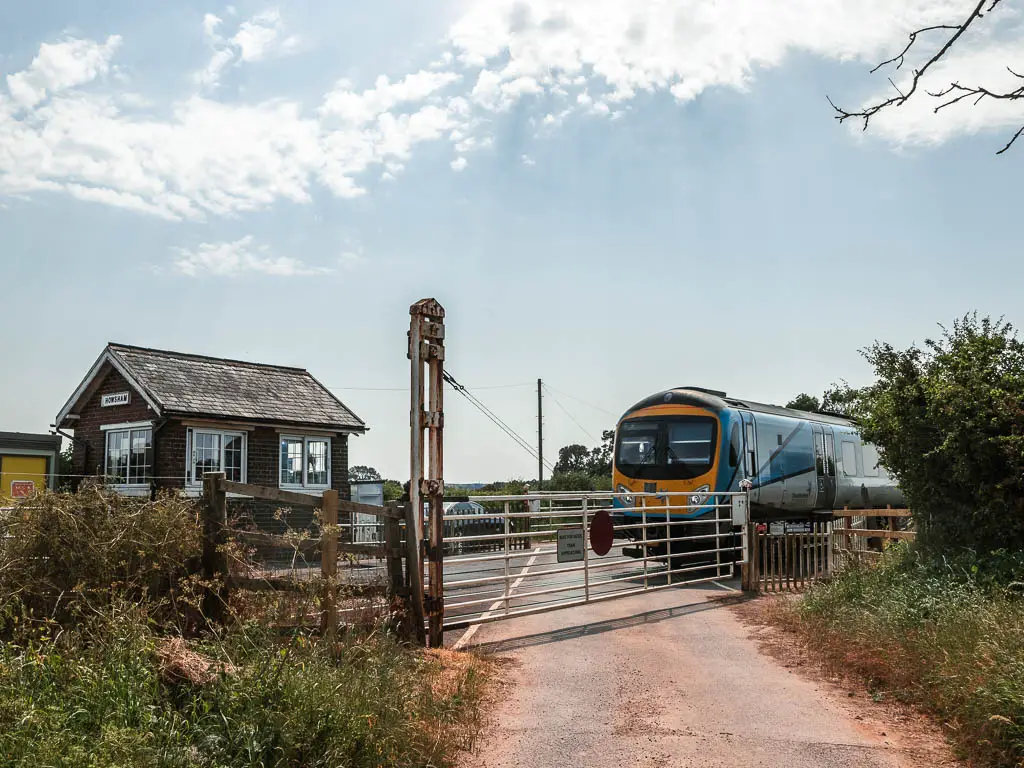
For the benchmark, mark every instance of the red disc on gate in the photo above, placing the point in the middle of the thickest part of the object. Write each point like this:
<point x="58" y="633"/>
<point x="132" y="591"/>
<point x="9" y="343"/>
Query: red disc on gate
<point x="601" y="532"/>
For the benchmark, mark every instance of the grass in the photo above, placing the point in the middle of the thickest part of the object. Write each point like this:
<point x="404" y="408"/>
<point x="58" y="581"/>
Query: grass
<point x="117" y="694"/>
<point x="947" y="636"/>
<point x="106" y="661"/>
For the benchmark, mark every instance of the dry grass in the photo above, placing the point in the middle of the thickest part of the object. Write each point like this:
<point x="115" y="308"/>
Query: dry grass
<point x="927" y="634"/>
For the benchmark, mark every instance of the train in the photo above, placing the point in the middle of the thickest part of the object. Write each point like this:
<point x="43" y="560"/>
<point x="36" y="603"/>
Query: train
<point x="796" y="465"/>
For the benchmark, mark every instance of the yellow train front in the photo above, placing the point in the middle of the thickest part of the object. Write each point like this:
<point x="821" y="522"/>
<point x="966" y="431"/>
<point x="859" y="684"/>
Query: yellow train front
<point x="670" y="445"/>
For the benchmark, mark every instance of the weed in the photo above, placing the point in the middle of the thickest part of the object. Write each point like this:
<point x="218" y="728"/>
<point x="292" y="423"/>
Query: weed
<point x="943" y="634"/>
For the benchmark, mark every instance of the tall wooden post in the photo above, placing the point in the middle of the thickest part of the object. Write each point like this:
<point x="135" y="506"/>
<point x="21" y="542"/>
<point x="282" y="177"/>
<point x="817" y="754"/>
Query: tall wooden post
<point x="214" y="557"/>
<point x="426" y="346"/>
<point x="433" y="329"/>
<point x="329" y="561"/>
<point x="414" y="512"/>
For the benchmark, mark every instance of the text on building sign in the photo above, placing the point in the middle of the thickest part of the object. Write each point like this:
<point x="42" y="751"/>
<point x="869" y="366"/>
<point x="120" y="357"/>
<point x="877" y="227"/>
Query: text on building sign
<point x="117" y="398"/>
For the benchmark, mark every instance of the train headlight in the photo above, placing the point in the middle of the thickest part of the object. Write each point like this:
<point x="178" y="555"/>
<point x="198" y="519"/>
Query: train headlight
<point x="626" y="499"/>
<point x="699" y="496"/>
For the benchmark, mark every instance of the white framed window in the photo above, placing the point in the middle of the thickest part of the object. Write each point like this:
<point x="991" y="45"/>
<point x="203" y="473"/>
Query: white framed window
<point x="215" y="450"/>
<point x="128" y="454"/>
<point x="305" y="462"/>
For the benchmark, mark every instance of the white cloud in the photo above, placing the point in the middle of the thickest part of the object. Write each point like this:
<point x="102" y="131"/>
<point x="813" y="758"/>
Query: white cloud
<point x="361" y="107"/>
<point x="256" y="39"/>
<point x="60" y="66"/>
<point x="65" y="128"/>
<point x="241" y="257"/>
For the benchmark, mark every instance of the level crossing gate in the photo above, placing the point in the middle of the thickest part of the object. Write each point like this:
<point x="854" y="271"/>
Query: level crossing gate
<point x="508" y="556"/>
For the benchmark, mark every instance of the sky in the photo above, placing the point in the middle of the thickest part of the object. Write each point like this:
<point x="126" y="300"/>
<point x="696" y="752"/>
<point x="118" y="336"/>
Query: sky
<point x="615" y="196"/>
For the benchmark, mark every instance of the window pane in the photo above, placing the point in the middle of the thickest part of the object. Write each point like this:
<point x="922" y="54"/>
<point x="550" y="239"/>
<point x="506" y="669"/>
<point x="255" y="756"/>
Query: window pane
<point x="870" y="456"/>
<point x="316" y="462"/>
<point x="140" y="468"/>
<point x="291" y="462"/>
<point x="206" y="454"/>
<point x="117" y="456"/>
<point x="689" y="442"/>
<point x="233" y="457"/>
<point x="849" y="459"/>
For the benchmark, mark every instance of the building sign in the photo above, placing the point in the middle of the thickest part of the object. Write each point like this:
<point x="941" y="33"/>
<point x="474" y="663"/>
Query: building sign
<point x="117" y="398"/>
<point x="22" y="488"/>
<point x="570" y="545"/>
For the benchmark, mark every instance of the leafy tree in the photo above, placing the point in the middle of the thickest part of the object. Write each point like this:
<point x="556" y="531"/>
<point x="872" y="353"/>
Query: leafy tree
<point x="840" y="399"/>
<point x="948" y="419"/>
<point x="577" y="459"/>
<point x="572" y="458"/>
<point x="362" y="473"/>
<point x="600" y="463"/>
<point x="392" y="491"/>
<point x="805" y="402"/>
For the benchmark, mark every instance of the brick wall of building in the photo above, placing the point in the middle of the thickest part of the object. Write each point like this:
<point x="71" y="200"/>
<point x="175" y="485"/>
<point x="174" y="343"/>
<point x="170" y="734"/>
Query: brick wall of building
<point x="89" y="446"/>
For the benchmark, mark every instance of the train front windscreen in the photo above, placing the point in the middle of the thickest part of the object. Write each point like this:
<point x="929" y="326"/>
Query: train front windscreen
<point x="666" y="447"/>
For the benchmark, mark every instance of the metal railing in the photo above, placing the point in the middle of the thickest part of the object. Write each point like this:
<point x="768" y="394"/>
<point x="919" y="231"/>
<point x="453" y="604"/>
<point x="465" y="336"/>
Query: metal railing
<point x="515" y="566"/>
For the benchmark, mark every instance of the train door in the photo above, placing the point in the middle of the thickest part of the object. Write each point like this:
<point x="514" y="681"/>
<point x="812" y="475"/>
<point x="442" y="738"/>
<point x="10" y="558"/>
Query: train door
<point x="750" y="454"/>
<point x="825" y="466"/>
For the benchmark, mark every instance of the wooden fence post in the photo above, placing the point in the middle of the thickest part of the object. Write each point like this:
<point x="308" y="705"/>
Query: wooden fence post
<point x="329" y="561"/>
<point x="393" y="548"/>
<point x="215" y="558"/>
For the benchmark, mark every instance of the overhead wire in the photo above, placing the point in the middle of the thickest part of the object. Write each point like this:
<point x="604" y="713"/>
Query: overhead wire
<point x="571" y="417"/>
<point x="406" y="389"/>
<point x="581" y="400"/>
<point x="493" y="417"/>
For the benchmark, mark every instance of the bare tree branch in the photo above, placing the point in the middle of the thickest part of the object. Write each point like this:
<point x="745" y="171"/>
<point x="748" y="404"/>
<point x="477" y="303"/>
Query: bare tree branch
<point x="955" y="90"/>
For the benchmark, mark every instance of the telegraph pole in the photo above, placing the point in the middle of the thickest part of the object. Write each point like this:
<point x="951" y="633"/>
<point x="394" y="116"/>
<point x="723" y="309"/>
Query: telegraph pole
<point x="540" y="437"/>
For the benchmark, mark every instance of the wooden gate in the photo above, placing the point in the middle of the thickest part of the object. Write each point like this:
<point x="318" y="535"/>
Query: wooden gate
<point x="786" y="556"/>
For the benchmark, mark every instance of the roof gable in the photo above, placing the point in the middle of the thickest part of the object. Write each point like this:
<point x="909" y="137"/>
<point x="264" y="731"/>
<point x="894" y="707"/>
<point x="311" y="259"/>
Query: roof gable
<point x="213" y="387"/>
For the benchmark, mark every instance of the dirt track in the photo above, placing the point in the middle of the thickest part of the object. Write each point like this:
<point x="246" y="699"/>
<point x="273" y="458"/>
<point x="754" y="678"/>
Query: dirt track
<point x="670" y="679"/>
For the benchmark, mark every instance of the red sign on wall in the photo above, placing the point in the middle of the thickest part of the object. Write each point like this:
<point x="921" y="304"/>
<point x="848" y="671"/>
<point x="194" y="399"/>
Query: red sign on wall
<point x="22" y="488"/>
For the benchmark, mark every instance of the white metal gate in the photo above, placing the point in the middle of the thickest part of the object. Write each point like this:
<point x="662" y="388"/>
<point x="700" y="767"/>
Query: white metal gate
<point x="508" y="556"/>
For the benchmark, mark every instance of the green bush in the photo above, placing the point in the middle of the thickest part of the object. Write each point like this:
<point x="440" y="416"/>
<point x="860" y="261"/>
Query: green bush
<point x="949" y="422"/>
<point x="105" y="696"/>
<point x="944" y="633"/>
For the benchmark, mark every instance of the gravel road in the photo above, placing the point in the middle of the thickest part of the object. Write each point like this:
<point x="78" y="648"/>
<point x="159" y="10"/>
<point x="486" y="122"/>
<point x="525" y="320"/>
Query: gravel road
<point x="668" y="678"/>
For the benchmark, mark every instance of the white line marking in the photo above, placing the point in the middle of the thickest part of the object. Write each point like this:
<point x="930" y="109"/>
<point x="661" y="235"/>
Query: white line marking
<point x="468" y="634"/>
<point x="723" y="586"/>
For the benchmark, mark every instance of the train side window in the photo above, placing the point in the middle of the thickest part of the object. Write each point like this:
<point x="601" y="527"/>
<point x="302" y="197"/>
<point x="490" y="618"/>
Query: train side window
<point x="870" y="456"/>
<point x="734" y="446"/>
<point x="819" y="453"/>
<point x="830" y="459"/>
<point x="849" y="458"/>
<point x="751" y="456"/>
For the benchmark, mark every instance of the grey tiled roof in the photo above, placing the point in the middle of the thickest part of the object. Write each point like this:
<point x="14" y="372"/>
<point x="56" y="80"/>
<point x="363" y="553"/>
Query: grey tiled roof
<point x="210" y="386"/>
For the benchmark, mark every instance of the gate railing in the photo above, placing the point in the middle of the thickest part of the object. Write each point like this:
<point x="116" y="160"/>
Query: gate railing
<point x="537" y="552"/>
<point x="789" y="556"/>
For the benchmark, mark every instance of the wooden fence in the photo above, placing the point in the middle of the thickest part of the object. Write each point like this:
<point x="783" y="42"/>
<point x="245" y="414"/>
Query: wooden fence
<point x="859" y="535"/>
<point x="217" y="533"/>
<point x="786" y="556"/>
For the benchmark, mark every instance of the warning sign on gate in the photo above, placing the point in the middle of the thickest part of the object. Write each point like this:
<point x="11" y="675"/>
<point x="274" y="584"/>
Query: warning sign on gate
<point x="570" y="545"/>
